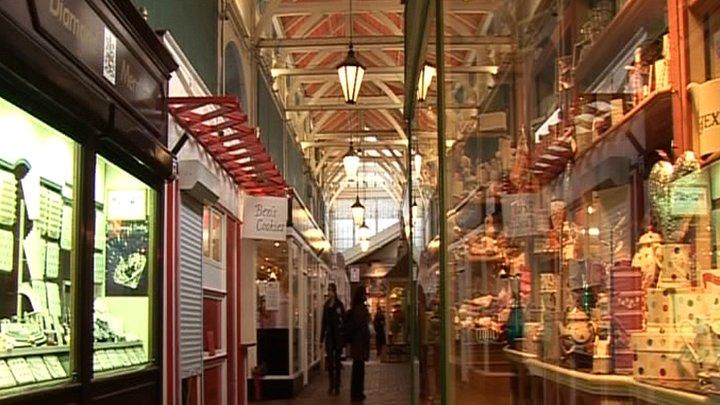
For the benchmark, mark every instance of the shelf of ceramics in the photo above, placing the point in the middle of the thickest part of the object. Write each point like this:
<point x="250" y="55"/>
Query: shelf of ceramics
<point x="603" y="384"/>
<point x="634" y="16"/>
<point x="645" y="128"/>
<point x="551" y="156"/>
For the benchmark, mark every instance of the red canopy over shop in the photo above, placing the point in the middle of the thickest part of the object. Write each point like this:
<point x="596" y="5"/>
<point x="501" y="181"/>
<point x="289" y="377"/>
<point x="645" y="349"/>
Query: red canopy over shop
<point x="219" y="124"/>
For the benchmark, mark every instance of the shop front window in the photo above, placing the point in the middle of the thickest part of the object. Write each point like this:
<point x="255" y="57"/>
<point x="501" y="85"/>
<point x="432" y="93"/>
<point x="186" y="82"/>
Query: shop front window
<point x="37" y="263"/>
<point x="578" y="205"/>
<point x="124" y="268"/>
<point x="212" y="234"/>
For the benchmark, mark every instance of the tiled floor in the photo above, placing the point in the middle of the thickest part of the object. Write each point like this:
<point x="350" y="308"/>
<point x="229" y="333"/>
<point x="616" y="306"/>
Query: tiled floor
<point x="385" y="383"/>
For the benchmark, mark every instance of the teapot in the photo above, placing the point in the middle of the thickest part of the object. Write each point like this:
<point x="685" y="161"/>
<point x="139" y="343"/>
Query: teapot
<point x="577" y="333"/>
<point x="648" y="257"/>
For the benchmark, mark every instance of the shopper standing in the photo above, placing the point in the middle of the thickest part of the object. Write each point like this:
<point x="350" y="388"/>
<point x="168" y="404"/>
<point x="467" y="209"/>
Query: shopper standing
<point x="359" y="334"/>
<point x="331" y="337"/>
<point x="379" y="325"/>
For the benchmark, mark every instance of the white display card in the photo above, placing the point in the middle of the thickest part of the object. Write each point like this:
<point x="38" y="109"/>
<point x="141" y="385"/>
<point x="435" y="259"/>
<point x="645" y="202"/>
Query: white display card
<point x="124" y="359"/>
<point x="132" y="357"/>
<point x="40" y="289"/>
<point x="66" y="232"/>
<point x="104" y="360"/>
<point x="6" y="376"/>
<point x="7" y="241"/>
<point x="115" y="361"/>
<point x="39" y="369"/>
<point x="100" y="230"/>
<point x="21" y="371"/>
<point x="97" y="364"/>
<point x="99" y="267"/>
<point x="52" y="260"/>
<point x="140" y="354"/>
<point x="55" y="367"/>
<point x="53" y="299"/>
<point x="34" y="248"/>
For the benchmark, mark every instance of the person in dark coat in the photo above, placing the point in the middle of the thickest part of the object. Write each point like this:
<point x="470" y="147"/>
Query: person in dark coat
<point x="359" y="340"/>
<point x="379" y="325"/>
<point x="331" y="337"/>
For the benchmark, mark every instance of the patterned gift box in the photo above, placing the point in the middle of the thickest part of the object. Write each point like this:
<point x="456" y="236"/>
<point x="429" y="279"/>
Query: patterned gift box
<point x="666" y="355"/>
<point x="623" y="359"/>
<point x="626" y="323"/>
<point x="626" y="278"/>
<point x="663" y="341"/>
<point x="707" y="344"/>
<point x="676" y="264"/>
<point x="680" y="307"/>
<point x="665" y="366"/>
<point x="548" y="282"/>
<point x="627" y="301"/>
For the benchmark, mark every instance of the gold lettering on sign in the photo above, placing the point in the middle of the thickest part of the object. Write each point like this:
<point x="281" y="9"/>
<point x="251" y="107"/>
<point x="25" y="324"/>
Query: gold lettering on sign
<point x="69" y="20"/>
<point x="127" y="79"/>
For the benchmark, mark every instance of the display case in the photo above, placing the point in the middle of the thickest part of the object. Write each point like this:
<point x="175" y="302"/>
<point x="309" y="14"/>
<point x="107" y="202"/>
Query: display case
<point x="82" y="170"/>
<point x="577" y="253"/>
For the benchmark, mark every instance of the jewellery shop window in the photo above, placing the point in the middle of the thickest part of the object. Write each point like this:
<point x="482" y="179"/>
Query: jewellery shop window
<point x="124" y="240"/>
<point x="37" y="204"/>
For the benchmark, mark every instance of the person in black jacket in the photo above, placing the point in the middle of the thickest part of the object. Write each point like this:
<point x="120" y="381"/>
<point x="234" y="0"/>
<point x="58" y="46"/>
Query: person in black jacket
<point x="331" y="337"/>
<point x="379" y="325"/>
<point x="359" y="333"/>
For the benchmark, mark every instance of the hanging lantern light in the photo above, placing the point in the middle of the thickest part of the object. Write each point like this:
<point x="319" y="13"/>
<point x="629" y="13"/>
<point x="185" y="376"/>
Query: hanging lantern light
<point x="358" y="212"/>
<point x="364" y="231"/>
<point x="351" y="163"/>
<point x="364" y="245"/>
<point x="424" y="81"/>
<point x="351" y="71"/>
<point x="417" y="164"/>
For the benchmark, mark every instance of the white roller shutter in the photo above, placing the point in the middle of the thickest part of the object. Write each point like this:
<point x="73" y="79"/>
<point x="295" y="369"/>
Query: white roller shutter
<point x="191" y="293"/>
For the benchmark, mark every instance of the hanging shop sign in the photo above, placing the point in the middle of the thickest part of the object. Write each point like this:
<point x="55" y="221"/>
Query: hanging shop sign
<point x="706" y="112"/>
<point x="78" y="29"/>
<point x="354" y="274"/>
<point x="265" y="218"/>
<point x="272" y="296"/>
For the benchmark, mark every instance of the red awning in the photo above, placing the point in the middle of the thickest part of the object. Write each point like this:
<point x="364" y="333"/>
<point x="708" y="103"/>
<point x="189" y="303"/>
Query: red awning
<point x="219" y="124"/>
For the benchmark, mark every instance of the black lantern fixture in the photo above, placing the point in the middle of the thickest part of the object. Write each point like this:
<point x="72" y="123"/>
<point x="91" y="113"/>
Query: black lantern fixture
<point x="426" y="75"/>
<point x="351" y="71"/>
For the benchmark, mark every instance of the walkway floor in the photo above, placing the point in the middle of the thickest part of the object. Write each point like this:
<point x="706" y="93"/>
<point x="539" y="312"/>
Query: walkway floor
<point x="385" y="383"/>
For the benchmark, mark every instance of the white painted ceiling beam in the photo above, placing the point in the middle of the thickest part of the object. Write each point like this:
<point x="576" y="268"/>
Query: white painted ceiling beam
<point x="372" y="71"/>
<point x="344" y="145"/>
<point x="395" y="6"/>
<point x="369" y="106"/>
<point x="374" y="41"/>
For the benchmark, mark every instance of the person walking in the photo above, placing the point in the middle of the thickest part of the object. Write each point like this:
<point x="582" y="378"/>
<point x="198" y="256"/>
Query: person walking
<point x="359" y="340"/>
<point x="331" y="337"/>
<point x="379" y="325"/>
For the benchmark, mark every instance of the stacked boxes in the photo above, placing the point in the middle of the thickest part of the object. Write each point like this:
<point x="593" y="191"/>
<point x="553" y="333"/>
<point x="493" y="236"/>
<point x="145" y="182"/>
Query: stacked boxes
<point x="679" y="336"/>
<point x="549" y="296"/>
<point x="627" y="313"/>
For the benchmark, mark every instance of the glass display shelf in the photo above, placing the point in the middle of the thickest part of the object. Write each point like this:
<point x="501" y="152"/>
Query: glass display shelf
<point x="607" y="384"/>
<point x="633" y="16"/>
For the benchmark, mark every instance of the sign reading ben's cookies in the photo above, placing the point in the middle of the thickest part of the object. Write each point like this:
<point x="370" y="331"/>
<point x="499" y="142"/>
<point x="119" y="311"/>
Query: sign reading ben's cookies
<point x="706" y="113"/>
